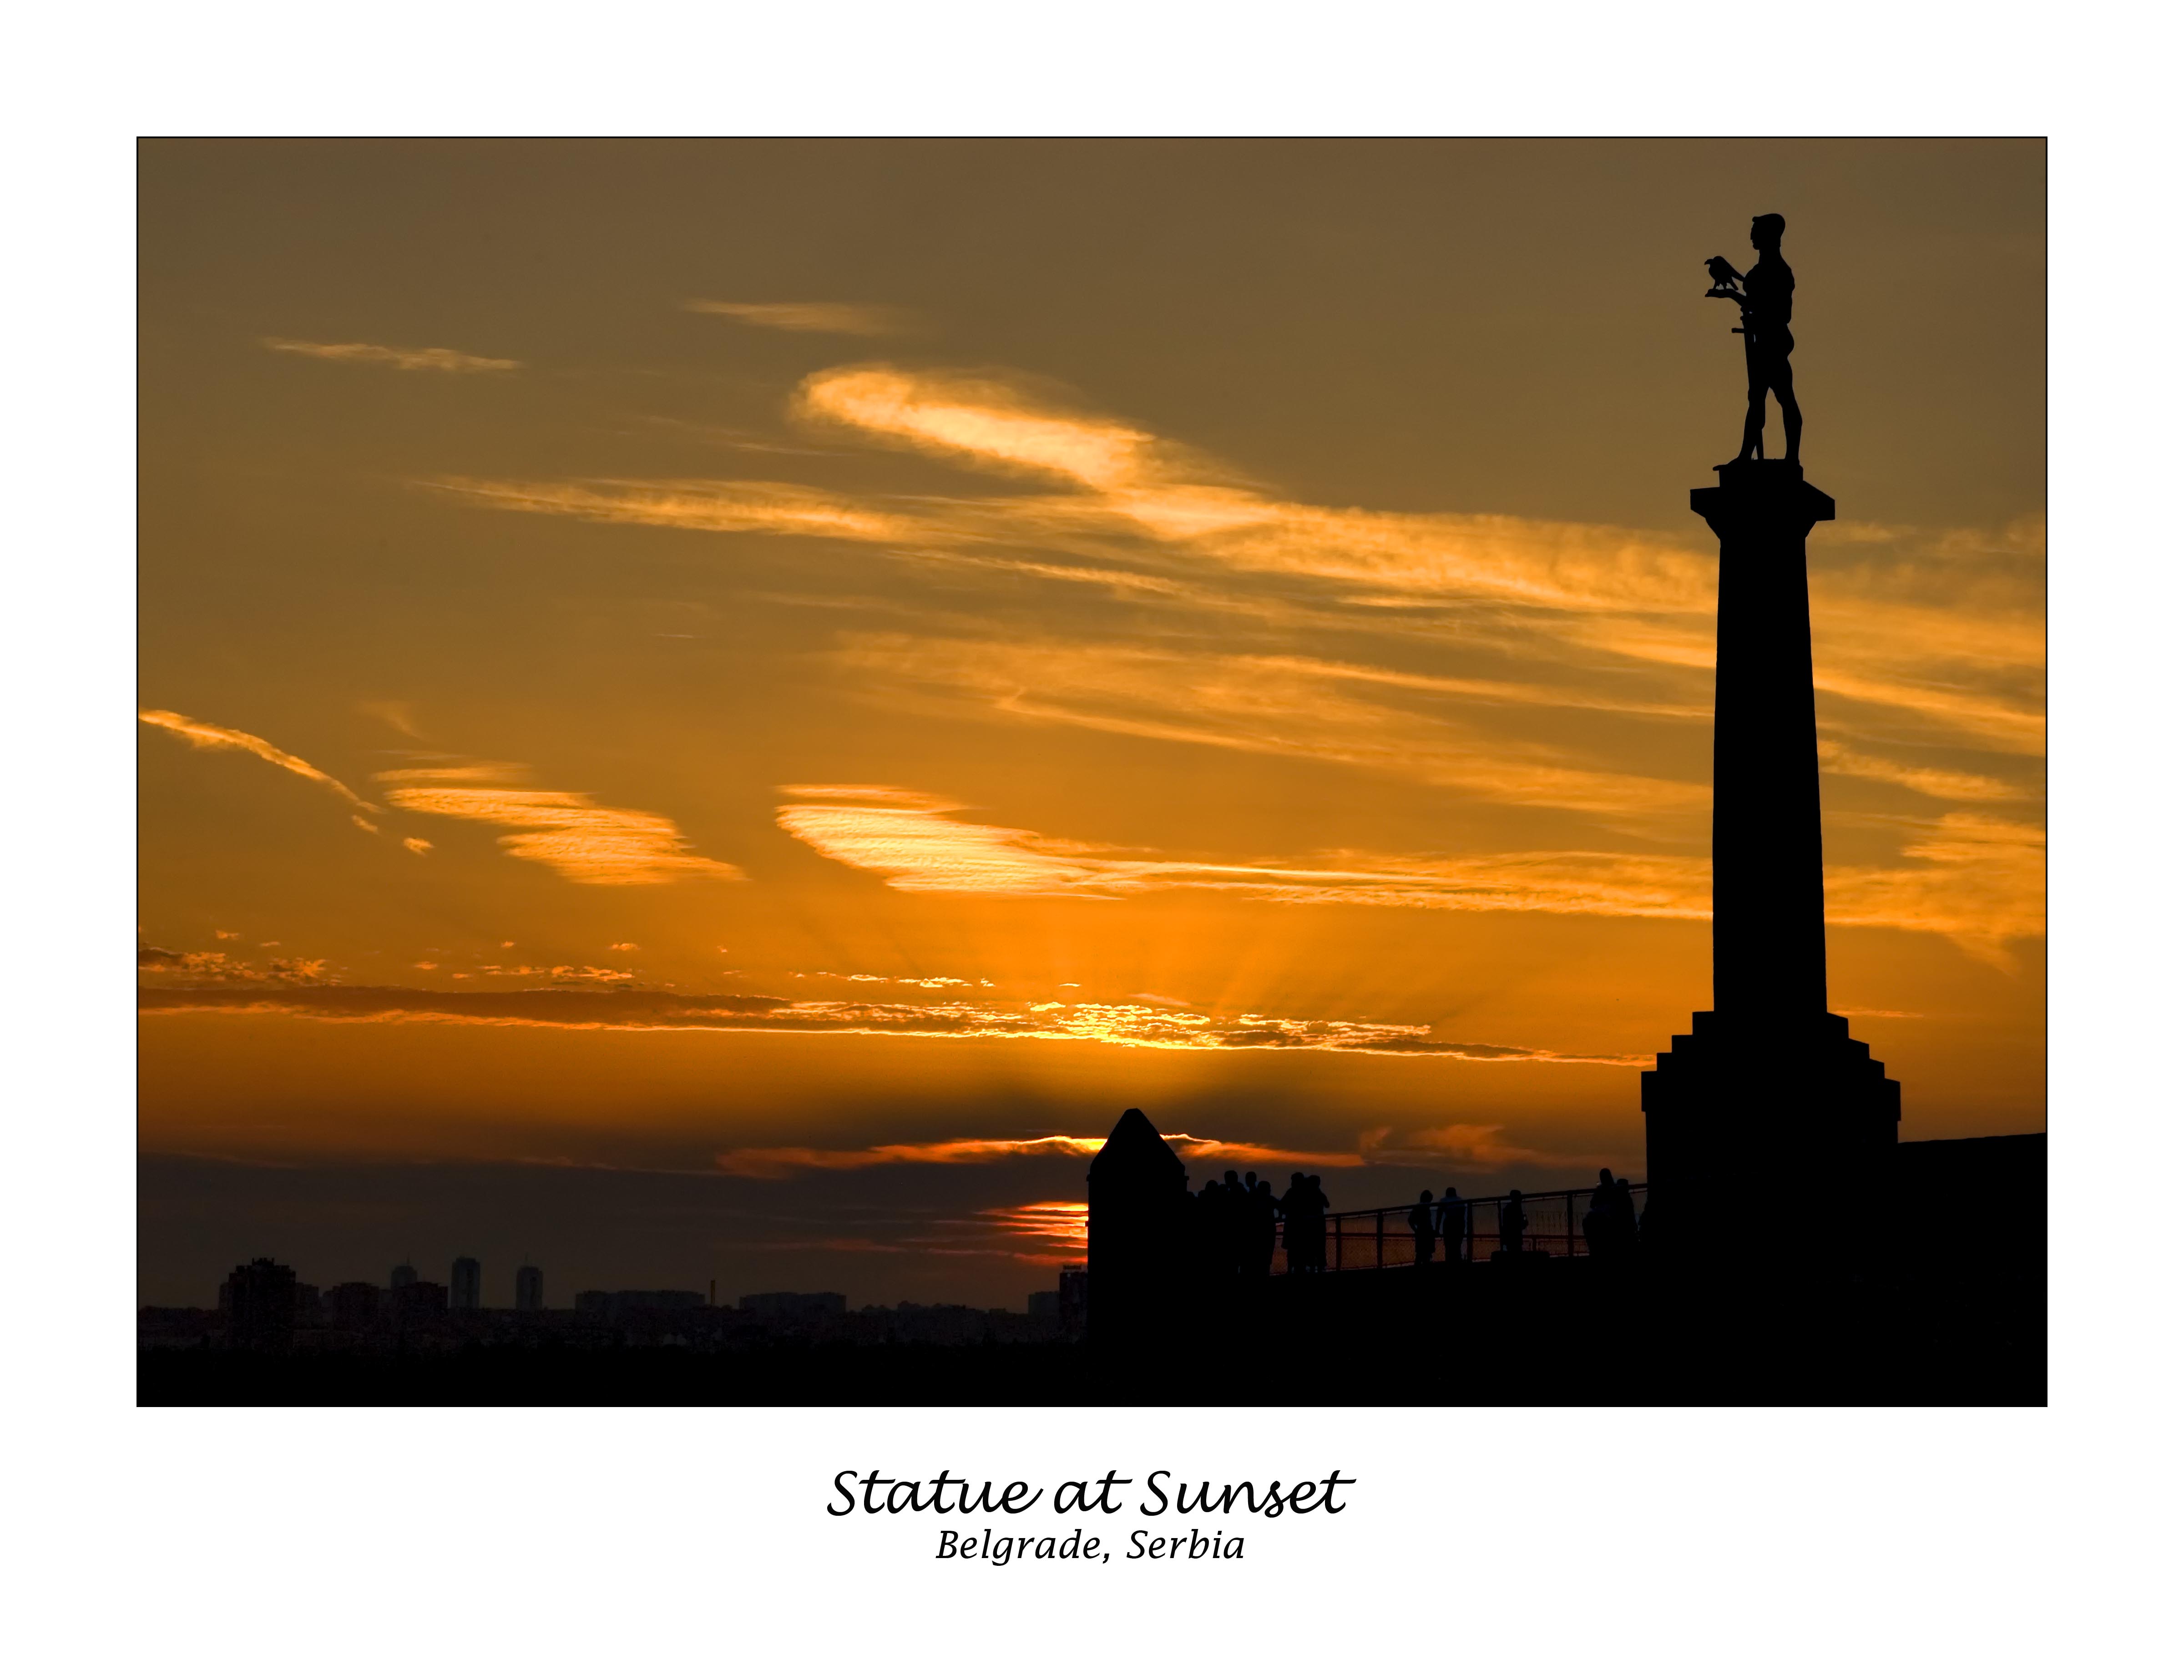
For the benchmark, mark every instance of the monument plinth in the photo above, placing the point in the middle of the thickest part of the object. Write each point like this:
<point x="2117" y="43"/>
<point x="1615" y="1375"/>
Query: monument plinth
<point x="1767" y="1103"/>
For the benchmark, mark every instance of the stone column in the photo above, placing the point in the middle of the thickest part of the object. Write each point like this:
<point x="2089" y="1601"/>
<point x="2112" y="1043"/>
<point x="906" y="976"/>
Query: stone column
<point x="1768" y="1129"/>
<point x="1769" y="921"/>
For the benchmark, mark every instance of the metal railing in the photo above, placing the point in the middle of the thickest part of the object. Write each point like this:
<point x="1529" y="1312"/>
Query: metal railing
<point x="1367" y="1239"/>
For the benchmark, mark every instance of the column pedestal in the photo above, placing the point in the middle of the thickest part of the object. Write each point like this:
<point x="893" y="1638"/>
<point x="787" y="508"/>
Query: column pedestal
<point x="1768" y="1143"/>
<point x="1769" y="1128"/>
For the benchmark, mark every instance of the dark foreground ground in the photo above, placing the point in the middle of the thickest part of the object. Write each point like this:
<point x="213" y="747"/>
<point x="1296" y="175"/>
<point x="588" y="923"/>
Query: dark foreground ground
<point x="1553" y="1333"/>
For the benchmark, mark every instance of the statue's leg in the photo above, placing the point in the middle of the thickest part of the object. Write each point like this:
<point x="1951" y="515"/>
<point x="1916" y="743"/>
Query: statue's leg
<point x="1754" y="448"/>
<point x="1793" y="419"/>
<point x="1755" y="407"/>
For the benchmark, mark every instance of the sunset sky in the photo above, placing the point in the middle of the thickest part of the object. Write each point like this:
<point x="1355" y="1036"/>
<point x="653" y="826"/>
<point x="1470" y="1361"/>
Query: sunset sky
<point x="719" y="710"/>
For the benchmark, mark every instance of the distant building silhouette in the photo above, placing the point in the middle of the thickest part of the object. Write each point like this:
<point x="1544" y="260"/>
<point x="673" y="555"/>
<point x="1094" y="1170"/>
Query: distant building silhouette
<point x="353" y="1305"/>
<point x="530" y="1289"/>
<point x="1075" y="1289"/>
<point x="620" y="1303"/>
<point x="1044" y="1305"/>
<point x="259" y="1301"/>
<point x="400" y="1277"/>
<point x="465" y="1279"/>
<point x="417" y="1300"/>
<point x="787" y="1310"/>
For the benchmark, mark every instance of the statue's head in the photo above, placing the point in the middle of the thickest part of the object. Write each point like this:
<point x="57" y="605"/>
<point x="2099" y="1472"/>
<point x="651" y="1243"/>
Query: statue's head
<point x="1767" y="231"/>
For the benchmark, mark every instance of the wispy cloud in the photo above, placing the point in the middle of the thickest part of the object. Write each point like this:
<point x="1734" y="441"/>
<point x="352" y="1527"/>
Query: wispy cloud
<point x="1433" y="647"/>
<point x="780" y="1162"/>
<point x="1460" y="1144"/>
<point x="1132" y="1025"/>
<point x="215" y="737"/>
<point x="1157" y="521"/>
<point x="428" y="360"/>
<point x="858" y="320"/>
<point x="693" y="504"/>
<point x="1278" y="705"/>
<point x="918" y="844"/>
<point x="219" y="968"/>
<point x="570" y="833"/>
<point x="1976" y="879"/>
<point x="1131" y="479"/>
<point x="1961" y="786"/>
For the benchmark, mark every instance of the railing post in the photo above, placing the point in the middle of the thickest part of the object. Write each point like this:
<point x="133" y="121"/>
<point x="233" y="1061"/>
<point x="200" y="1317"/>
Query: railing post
<point x="1379" y="1238"/>
<point x="1569" y="1223"/>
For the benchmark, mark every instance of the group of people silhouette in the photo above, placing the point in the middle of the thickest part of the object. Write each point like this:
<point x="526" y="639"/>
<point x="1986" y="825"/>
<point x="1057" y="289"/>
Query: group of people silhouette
<point x="1235" y="1223"/>
<point x="1612" y="1223"/>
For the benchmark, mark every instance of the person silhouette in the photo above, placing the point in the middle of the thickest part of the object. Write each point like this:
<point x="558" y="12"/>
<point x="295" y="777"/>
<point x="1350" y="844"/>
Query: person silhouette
<point x="1265" y="1213"/>
<point x="1455" y="1225"/>
<point x="1422" y="1228"/>
<point x="1295" y="1255"/>
<point x="1625" y="1209"/>
<point x="1315" y="1204"/>
<point x="1764" y="304"/>
<point x="1600" y="1233"/>
<point x="1514" y="1223"/>
<point x="1235" y="1226"/>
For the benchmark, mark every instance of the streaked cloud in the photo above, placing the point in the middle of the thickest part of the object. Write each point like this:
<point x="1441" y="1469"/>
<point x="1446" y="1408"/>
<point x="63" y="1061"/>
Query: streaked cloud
<point x="430" y="360"/>
<point x="1978" y="880"/>
<point x="859" y="321"/>
<point x="216" y="738"/>
<point x="1941" y="784"/>
<point x="1058" y="1227"/>
<point x="918" y="844"/>
<point x="693" y="504"/>
<point x="1460" y="638"/>
<point x="219" y="968"/>
<point x="1137" y="1026"/>
<point x="1460" y="1144"/>
<point x="982" y="420"/>
<point x="1974" y="879"/>
<point x="780" y="1163"/>
<point x="1144" y="516"/>
<point x="570" y="833"/>
<point x="1276" y="705"/>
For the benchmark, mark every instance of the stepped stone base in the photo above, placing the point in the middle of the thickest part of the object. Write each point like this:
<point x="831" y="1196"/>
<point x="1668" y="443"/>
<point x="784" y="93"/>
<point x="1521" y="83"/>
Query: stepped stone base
<point x="1768" y="1137"/>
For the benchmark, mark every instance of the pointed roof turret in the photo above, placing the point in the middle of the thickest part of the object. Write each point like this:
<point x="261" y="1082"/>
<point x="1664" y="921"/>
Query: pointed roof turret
<point x="1136" y="1153"/>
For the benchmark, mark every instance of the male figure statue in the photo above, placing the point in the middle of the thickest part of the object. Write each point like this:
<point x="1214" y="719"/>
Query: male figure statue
<point x="1765" y="304"/>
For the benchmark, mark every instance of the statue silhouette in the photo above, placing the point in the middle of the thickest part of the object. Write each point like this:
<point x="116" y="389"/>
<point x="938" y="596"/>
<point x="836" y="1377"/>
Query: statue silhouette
<point x="1764" y="303"/>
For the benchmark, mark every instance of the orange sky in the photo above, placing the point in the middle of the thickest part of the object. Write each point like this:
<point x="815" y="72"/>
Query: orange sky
<point x="692" y="693"/>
